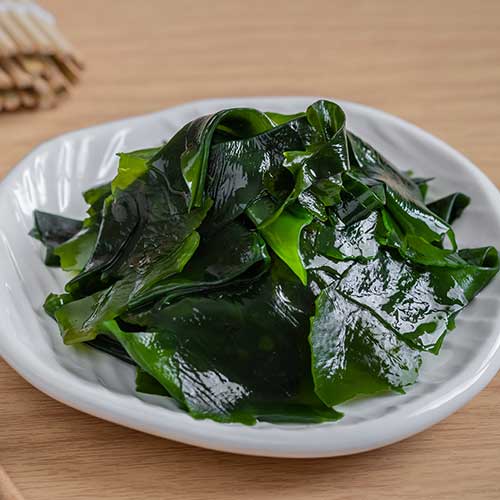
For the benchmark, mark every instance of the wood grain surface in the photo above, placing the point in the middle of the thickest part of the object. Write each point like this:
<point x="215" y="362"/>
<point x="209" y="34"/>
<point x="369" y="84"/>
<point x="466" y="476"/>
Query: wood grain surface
<point x="436" y="64"/>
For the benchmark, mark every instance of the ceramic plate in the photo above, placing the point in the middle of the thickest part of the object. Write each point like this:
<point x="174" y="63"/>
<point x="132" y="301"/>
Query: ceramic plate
<point x="53" y="177"/>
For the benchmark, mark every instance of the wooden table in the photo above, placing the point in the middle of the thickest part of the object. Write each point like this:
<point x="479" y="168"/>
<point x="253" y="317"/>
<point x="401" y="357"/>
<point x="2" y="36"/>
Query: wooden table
<point x="436" y="64"/>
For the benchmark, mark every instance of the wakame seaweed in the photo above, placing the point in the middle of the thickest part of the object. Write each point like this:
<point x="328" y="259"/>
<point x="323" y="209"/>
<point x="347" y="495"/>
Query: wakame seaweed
<point x="260" y="266"/>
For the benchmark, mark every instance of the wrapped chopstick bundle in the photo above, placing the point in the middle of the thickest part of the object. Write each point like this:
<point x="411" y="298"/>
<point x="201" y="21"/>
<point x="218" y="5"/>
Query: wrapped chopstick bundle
<point x="38" y="65"/>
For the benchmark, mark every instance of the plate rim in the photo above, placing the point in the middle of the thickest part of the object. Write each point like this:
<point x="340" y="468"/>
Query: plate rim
<point x="274" y="441"/>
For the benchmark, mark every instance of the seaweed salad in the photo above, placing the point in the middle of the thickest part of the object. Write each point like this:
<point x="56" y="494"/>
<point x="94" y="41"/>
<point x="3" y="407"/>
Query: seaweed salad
<point x="261" y="266"/>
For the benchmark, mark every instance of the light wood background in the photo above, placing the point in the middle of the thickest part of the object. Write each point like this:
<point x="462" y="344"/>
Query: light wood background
<point x="434" y="63"/>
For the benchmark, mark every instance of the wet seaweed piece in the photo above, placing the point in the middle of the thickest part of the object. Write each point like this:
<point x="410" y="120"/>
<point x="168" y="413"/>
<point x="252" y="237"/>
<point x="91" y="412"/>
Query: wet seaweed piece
<point x="53" y="230"/>
<point x="450" y="207"/>
<point x="235" y="355"/>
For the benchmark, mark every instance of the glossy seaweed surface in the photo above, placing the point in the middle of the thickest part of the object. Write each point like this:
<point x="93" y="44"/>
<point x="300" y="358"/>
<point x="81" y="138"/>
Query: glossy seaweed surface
<point x="260" y="266"/>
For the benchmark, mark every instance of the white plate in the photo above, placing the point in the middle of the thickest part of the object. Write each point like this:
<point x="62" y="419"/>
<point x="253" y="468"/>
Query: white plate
<point x="52" y="178"/>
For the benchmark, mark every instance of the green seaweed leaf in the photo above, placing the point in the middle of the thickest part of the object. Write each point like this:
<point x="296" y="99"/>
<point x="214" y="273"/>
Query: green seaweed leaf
<point x="242" y="355"/>
<point x="354" y="353"/>
<point x="52" y="231"/>
<point x="283" y="236"/>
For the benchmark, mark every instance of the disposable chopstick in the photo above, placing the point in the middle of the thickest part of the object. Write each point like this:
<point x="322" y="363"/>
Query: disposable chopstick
<point x="21" y="79"/>
<point x="28" y="98"/>
<point x="34" y="65"/>
<point x="68" y="67"/>
<point x="56" y="78"/>
<point x="39" y="40"/>
<point x="45" y="94"/>
<point x="18" y="36"/>
<point x="7" y="46"/>
<point x="8" y="490"/>
<point x="6" y="81"/>
<point x="11" y="101"/>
